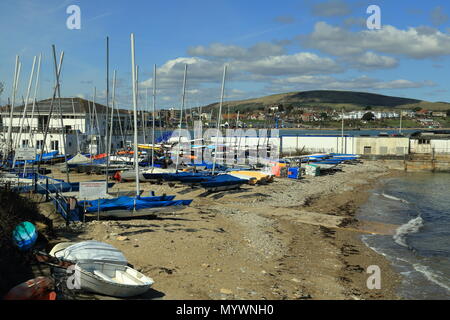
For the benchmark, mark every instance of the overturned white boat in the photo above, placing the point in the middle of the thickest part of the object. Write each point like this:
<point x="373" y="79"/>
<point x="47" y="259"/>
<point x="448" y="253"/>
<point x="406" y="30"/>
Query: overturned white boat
<point x="130" y="175"/>
<point x="112" y="279"/>
<point x="102" y="269"/>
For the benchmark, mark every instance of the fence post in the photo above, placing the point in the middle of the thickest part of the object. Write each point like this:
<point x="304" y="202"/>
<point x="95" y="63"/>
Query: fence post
<point x="46" y="190"/>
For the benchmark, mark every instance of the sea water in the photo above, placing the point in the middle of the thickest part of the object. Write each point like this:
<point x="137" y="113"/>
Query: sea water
<point x="419" y="203"/>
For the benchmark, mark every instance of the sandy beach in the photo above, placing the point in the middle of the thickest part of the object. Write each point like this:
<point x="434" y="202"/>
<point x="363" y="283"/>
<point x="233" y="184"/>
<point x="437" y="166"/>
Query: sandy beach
<point x="291" y="239"/>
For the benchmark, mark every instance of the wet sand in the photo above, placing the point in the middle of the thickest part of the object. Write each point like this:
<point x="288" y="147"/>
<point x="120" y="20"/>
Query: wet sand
<point x="285" y="240"/>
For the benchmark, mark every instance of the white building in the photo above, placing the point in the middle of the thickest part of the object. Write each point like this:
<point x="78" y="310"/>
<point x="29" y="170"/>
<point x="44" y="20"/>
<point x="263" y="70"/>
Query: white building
<point x="83" y="123"/>
<point x="357" y="115"/>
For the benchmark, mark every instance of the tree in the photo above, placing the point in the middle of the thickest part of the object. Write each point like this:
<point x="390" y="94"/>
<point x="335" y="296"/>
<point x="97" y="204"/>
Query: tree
<point x="323" y="115"/>
<point x="448" y="113"/>
<point x="368" y="116"/>
<point x="368" y="108"/>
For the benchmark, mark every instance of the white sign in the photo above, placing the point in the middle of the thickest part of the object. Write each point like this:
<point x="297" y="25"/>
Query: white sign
<point x="25" y="154"/>
<point x="92" y="190"/>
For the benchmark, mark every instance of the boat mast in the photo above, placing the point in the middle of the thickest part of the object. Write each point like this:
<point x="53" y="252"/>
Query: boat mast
<point x="110" y="130"/>
<point x="76" y="131"/>
<point x="60" y="111"/>
<point x="153" y="116"/>
<point x="118" y="114"/>
<point x="342" y="132"/>
<point x="136" y="156"/>
<point x="107" y="104"/>
<point x="95" y="114"/>
<point x="30" y="83"/>
<point x="219" y="117"/>
<point x="112" y="113"/>
<point x="61" y="58"/>
<point x="14" y="91"/>
<point x="181" y="116"/>
<point x="90" y="129"/>
<point x="107" y="136"/>
<point x="36" y="85"/>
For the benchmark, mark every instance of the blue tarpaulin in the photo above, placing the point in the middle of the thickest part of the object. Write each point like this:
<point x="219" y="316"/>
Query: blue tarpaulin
<point x="130" y="203"/>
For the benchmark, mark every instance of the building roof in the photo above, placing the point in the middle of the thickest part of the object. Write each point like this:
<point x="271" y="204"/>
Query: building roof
<point x="431" y="134"/>
<point x="80" y="105"/>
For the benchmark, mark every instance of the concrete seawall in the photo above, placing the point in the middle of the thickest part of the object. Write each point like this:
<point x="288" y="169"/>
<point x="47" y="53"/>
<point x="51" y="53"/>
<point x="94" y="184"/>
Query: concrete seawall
<point x="418" y="163"/>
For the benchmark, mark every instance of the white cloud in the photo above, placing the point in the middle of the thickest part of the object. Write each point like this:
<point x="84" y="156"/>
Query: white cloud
<point x="418" y="43"/>
<point x="299" y="63"/>
<point x="371" y="61"/>
<point x="219" y="50"/>
<point x="332" y="83"/>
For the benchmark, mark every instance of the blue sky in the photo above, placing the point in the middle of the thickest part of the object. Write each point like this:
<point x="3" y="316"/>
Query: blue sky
<point x="270" y="47"/>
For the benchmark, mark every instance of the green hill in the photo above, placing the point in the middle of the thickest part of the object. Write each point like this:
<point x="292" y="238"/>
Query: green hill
<point x="326" y="99"/>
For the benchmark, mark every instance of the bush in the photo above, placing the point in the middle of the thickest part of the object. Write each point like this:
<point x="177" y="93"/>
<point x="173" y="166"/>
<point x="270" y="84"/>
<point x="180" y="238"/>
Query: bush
<point x="15" y="266"/>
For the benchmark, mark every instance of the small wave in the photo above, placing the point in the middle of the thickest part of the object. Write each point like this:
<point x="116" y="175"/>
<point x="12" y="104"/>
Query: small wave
<point x="412" y="226"/>
<point x="393" y="198"/>
<point x="431" y="276"/>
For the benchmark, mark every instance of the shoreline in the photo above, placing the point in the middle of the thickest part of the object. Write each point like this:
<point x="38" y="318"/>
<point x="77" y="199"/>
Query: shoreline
<point x="292" y="239"/>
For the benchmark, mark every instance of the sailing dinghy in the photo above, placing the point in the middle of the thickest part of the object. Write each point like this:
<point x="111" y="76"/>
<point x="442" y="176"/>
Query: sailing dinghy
<point x="112" y="279"/>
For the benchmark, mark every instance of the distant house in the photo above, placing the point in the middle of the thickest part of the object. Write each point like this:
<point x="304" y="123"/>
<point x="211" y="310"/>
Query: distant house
<point x="205" y="116"/>
<point x="353" y="115"/>
<point x="257" y="116"/>
<point x="442" y="114"/>
<point x="307" y="117"/>
<point x="231" y="116"/>
<point x="423" y="113"/>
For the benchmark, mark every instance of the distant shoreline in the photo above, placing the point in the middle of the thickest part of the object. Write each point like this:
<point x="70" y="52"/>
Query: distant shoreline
<point x="327" y="129"/>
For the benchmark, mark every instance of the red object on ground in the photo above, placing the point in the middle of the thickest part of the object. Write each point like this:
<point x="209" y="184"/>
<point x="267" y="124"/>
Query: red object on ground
<point x="40" y="288"/>
<point x="100" y="156"/>
<point x="276" y="171"/>
<point x="117" y="176"/>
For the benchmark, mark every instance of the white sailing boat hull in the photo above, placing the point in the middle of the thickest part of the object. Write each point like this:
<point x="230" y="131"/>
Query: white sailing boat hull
<point x="139" y="213"/>
<point x="112" y="279"/>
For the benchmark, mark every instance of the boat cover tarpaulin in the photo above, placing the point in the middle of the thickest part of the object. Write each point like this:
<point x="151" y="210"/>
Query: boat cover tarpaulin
<point x="92" y="251"/>
<point x="222" y="180"/>
<point x="45" y="157"/>
<point x="129" y="203"/>
<point x="79" y="158"/>
<point x="123" y="198"/>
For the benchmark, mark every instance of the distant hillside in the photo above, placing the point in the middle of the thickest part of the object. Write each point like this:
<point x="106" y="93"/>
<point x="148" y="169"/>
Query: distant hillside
<point x="330" y="99"/>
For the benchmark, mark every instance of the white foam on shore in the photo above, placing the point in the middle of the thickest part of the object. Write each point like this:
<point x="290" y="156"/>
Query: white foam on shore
<point x="412" y="226"/>
<point x="393" y="198"/>
<point x="432" y="276"/>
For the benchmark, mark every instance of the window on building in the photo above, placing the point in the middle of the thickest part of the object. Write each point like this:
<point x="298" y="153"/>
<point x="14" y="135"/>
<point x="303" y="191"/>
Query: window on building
<point x="424" y="141"/>
<point x="54" y="145"/>
<point x="400" y="150"/>
<point x="24" y="143"/>
<point x="367" y="150"/>
<point x="39" y="144"/>
<point x="383" y="150"/>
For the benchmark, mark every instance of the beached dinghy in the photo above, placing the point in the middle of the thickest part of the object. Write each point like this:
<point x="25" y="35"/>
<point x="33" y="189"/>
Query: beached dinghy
<point x="131" y="207"/>
<point x="260" y="177"/>
<point x="145" y="175"/>
<point x="250" y="180"/>
<point x="103" y="269"/>
<point x="112" y="279"/>
<point x="222" y="182"/>
<point x="88" y="251"/>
